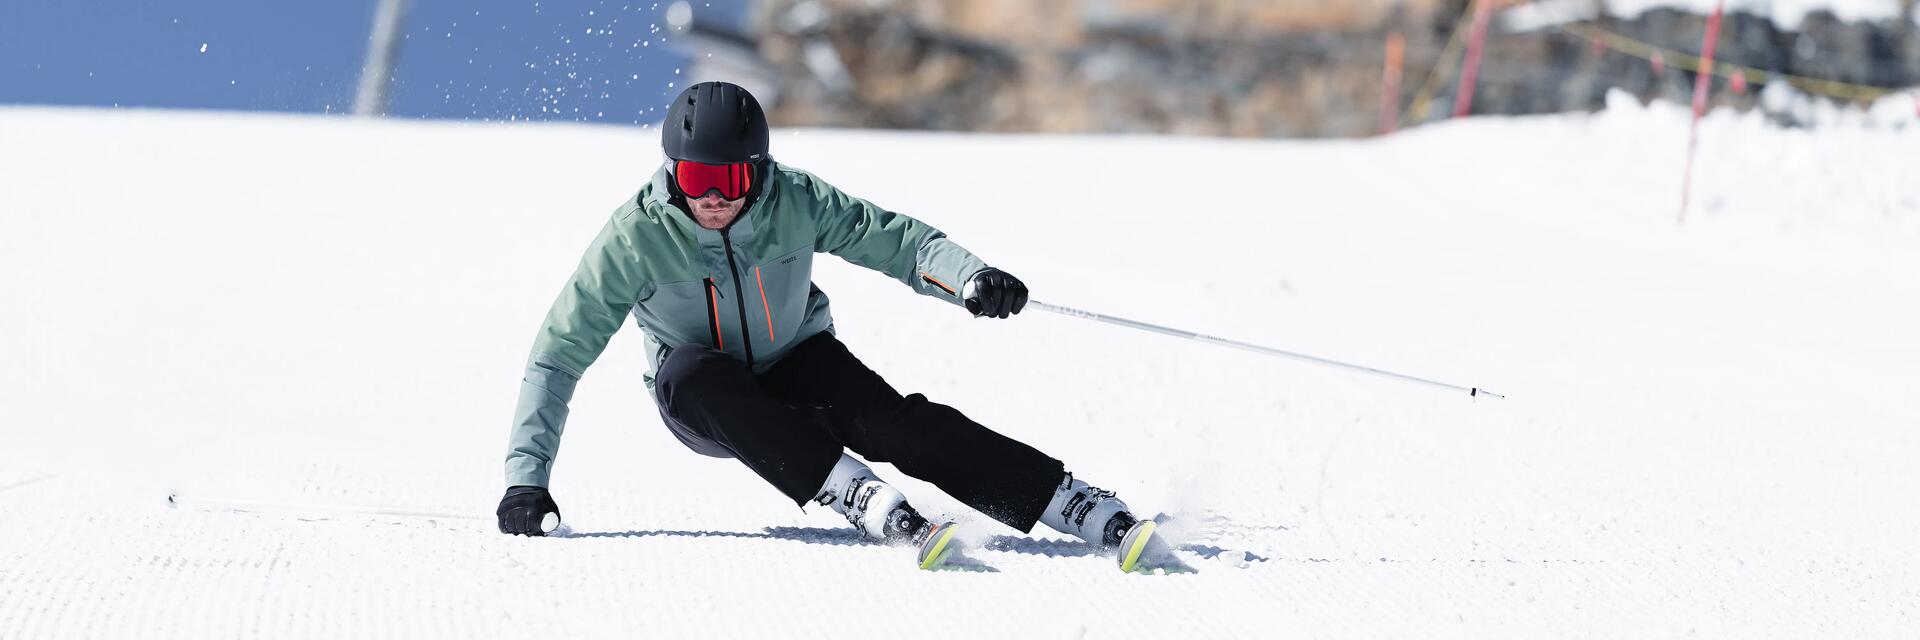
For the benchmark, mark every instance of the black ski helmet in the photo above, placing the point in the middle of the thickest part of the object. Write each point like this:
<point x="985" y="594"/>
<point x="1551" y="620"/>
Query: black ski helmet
<point x="715" y="123"/>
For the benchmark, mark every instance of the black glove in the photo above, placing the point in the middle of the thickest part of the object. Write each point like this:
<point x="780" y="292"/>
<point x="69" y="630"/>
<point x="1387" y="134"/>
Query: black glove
<point x="995" y="293"/>
<point x="522" y="509"/>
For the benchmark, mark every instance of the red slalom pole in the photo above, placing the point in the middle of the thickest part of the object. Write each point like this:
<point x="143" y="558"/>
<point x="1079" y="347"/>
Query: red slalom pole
<point x="1702" y="86"/>
<point x="1470" y="69"/>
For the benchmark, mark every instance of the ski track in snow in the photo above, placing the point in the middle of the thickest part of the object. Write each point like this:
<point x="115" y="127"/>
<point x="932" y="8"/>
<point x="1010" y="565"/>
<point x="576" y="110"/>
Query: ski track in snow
<point x="1710" y="428"/>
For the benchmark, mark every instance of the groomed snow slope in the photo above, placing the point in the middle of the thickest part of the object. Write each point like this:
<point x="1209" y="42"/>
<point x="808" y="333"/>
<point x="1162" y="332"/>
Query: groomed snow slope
<point x="1712" y="428"/>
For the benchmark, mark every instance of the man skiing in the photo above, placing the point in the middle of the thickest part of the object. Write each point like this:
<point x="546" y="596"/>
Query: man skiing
<point x="713" y="259"/>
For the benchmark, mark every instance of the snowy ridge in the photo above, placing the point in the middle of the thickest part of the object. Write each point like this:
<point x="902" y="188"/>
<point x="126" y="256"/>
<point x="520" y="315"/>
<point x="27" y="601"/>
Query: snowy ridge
<point x="1787" y="15"/>
<point x="1710" y="428"/>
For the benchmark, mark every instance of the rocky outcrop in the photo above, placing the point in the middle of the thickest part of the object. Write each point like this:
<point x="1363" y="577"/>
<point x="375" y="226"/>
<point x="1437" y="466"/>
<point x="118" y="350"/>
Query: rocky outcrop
<point x="1233" y="68"/>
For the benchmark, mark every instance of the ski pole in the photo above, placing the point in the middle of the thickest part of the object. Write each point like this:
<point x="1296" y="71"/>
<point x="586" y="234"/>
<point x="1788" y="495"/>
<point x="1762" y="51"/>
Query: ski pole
<point x="1189" y="335"/>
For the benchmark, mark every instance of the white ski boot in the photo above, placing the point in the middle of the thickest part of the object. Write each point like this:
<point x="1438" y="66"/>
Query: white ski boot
<point x="881" y="513"/>
<point x="1099" y="517"/>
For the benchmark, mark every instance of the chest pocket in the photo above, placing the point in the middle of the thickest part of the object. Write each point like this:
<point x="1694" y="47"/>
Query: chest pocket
<point x="782" y="285"/>
<point x="678" y="313"/>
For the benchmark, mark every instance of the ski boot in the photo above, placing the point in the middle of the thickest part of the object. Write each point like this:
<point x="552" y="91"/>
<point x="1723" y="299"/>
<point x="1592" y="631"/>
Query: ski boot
<point x="1100" y="518"/>
<point x="881" y="513"/>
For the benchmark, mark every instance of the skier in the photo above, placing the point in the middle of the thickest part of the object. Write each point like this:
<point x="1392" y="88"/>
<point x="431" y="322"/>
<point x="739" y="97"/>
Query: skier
<point x="713" y="259"/>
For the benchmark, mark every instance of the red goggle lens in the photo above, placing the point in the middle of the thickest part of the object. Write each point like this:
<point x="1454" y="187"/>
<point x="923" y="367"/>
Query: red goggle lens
<point x="696" y="179"/>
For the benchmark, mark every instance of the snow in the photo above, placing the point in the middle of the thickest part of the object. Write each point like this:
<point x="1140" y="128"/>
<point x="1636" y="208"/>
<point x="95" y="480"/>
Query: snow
<point x="1710" y="428"/>
<point x="1788" y="14"/>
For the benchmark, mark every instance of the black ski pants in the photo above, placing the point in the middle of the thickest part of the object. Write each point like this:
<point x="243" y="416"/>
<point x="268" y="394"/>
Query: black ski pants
<point x="790" y="425"/>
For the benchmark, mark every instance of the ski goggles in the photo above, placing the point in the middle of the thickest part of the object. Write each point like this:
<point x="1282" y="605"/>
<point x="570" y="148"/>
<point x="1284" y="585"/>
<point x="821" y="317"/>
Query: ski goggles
<point x="696" y="179"/>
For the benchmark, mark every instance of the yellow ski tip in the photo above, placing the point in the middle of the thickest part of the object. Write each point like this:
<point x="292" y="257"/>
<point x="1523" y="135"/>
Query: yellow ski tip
<point x="1132" y="557"/>
<point x="936" y="551"/>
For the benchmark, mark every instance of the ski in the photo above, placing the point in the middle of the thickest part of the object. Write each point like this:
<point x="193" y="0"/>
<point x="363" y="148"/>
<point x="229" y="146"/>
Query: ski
<point x="1143" y="550"/>
<point x="941" y="549"/>
<point x="938" y="546"/>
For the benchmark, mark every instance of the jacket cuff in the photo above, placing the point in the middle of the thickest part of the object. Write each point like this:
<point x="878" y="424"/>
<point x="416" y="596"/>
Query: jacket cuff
<point x="943" y="269"/>
<point x="526" y="472"/>
<point x="538" y="421"/>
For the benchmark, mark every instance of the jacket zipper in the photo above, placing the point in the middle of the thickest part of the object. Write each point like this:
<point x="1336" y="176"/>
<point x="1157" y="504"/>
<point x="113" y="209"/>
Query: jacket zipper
<point x="936" y="282"/>
<point x="713" y="315"/>
<point x="739" y="295"/>
<point x="764" y="306"/>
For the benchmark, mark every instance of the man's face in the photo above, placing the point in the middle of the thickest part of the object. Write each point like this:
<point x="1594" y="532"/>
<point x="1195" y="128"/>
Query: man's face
<point x="713" y="211"/>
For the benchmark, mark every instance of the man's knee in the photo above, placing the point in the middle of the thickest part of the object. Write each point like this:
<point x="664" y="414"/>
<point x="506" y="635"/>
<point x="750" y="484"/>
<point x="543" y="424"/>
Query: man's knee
<point x="691" y="369"/>
<point x="691" y="361"/>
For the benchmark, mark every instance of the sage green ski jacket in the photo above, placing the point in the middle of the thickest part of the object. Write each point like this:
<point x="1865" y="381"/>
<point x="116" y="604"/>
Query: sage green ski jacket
<point x="746" y="290"/>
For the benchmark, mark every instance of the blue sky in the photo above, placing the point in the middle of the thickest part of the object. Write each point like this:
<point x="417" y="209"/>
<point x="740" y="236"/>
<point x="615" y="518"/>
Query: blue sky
<point x="585" y="60"/>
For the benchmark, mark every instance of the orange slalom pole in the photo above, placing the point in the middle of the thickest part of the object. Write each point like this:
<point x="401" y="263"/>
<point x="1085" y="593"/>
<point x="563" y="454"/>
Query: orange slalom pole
<point x="1390" y="83"/>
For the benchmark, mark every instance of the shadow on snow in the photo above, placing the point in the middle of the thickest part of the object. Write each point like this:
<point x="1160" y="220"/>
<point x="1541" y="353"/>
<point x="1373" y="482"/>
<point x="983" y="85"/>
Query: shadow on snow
<point x="843" y="537"/>
<point x="809" y="535"/>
